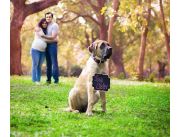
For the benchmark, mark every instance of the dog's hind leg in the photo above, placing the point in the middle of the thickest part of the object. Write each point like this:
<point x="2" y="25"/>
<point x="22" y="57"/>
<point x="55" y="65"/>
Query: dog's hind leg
<point x="71" y="107"/>
<point x="71" y="110"/>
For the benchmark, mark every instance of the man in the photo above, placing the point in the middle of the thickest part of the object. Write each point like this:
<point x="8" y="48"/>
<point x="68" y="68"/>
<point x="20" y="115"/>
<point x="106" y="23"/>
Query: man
<point x="51" y="50"/>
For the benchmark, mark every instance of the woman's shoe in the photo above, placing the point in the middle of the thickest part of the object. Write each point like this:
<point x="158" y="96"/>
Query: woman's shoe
<point x="37" y="83"/>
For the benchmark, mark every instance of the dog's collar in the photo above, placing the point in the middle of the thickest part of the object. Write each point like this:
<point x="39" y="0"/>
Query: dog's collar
<point x="98" y="61"/>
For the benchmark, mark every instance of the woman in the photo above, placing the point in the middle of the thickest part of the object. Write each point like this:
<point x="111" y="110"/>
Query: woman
<point x="38" y="50"/>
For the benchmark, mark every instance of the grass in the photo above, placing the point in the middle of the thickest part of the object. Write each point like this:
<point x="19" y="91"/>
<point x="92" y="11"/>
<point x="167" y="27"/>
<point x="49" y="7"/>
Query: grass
<point x="134" y="109"/>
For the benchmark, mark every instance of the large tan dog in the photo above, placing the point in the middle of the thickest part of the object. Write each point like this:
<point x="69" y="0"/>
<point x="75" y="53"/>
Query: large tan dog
<point x="82" y="96"/>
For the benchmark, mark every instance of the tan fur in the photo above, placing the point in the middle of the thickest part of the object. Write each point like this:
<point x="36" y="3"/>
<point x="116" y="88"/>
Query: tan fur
<point x="83" y="95"/>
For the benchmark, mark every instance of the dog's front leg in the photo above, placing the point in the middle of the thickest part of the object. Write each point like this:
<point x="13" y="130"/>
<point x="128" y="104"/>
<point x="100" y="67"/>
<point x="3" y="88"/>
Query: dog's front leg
<point x="103" y="100"/>
<point x="90" y="99"/>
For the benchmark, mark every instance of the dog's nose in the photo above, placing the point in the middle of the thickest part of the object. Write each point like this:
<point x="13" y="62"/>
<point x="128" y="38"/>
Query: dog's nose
<point x="110" y="51"/>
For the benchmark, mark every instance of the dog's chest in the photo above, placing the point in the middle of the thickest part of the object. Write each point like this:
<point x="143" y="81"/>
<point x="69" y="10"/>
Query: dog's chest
<point x="96" y="68"/>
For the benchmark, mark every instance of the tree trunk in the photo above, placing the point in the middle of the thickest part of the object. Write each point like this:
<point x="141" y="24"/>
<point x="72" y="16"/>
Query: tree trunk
<point x="142" y="53"/>
<point x="87" y="39"/>
<point x="166" y="34"/>
<point x="15" y="43"/>
<point x="110" y="29"/>
<point x="112" y="20"/>
<point x="103" y="31"/>
<point x="161" y="69"/>
<point x="117" y="58"/>
<point x="102" y="28"/>
<point x="102" y="22"/>
<point x="143" y="45"/>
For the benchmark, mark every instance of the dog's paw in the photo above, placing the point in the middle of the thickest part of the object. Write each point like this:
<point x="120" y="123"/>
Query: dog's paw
<point x="76" y="111"/>
<point x="68" y="110"/>
<point x="89" y="113"/>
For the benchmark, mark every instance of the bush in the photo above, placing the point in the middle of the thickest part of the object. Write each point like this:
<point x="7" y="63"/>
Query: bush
<point x="63" y="71"/>
<point x="167" y="79"/>
<point x="76" y="71"/>
<point x="134" y="76"/>
<point x="122" y="75"/>
<point x="152" y="77"/>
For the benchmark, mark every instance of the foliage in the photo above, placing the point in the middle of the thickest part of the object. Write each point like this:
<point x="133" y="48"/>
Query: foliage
<point x="76" y="71"/>
<point x="167" y="79"/>
<point x="138" y="109"/>
<point x="63" y="71"/>
<point x="121" y="76"/>
<point x="151" y="77"/>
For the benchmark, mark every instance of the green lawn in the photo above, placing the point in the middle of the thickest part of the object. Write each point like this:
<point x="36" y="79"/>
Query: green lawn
<point x="134" y="109"/>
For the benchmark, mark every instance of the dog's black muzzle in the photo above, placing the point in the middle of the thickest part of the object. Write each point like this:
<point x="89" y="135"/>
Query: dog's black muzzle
<point x="108" y="53"/>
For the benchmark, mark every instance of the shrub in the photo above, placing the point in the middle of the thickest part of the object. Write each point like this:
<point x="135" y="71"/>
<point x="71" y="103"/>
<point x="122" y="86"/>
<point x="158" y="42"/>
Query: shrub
<point x="76" y="71"/>
<point x="152" y="77"/>
<point x="63" y="71"/>
<point x="167" y="79"/>
<point x="122" y="75"/>
<point x="134" y="76"/>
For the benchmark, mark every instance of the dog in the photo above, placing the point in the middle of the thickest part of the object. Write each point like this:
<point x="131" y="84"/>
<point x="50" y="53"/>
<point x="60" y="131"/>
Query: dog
<point x="82" y="97"/>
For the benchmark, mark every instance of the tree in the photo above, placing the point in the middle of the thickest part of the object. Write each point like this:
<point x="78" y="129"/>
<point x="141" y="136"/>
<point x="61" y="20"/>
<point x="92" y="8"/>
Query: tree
<point x="143" y="43"/>
<point x="110" y="29"/>
<point x="166" y="33"/>
<point x="112" y="20"/>
<point x="161" y="69"/>
<point x="89" y="14"/>
<point x="21" y="11"/>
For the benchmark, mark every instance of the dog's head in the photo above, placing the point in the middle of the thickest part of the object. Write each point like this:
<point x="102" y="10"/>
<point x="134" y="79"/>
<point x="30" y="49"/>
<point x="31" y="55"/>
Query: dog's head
<point x="101" y="50"/>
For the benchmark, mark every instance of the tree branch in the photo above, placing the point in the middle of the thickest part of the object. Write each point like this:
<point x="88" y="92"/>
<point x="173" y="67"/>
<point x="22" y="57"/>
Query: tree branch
<point x="85" y="16"/>
<point x="94" y="7"/>
<point x="16" y="3"/>
<point x="66" y="21"/>
<point x="39" y="6"/>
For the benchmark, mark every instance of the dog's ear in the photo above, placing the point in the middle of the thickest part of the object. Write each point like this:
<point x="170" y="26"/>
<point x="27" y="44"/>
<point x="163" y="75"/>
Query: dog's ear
<point x="91" y="47"/>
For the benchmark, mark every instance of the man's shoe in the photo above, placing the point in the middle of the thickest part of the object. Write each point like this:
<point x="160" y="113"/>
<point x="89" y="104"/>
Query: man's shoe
<point x="48" y="82"/>
<point x="56" y="82"/>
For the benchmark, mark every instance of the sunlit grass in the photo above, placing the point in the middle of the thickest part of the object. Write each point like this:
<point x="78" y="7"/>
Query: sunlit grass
<point x="134" y="109"/>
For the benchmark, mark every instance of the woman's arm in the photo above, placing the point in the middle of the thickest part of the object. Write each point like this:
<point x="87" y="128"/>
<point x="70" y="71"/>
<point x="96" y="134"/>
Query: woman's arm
<point x="46" y="40"/>
<point x="38" y="31"/>
<point x="52" y="37"/>
<point x="48" y="37"/>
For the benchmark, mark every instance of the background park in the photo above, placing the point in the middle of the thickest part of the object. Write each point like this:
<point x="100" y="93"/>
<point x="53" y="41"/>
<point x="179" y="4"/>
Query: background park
<point x="138" y="102"/>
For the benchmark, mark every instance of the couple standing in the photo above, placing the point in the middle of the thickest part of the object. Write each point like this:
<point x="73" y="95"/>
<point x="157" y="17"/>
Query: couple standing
<point x="45" y="45"/>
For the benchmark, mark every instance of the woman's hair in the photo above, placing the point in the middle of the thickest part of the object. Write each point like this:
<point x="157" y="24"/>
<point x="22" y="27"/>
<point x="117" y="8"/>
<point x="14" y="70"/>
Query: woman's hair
<point x="40" y="25"/>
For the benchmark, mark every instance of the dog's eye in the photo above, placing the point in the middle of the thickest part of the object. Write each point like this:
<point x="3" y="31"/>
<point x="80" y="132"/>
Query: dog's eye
<point x="102" y="46"/>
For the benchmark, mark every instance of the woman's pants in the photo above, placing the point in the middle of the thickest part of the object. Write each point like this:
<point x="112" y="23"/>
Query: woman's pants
<point x="37" y="61"/>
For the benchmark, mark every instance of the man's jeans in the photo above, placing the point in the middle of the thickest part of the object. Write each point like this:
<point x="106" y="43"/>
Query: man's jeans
<point x="37" y="61"/>
<point x="52" y="62"/>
